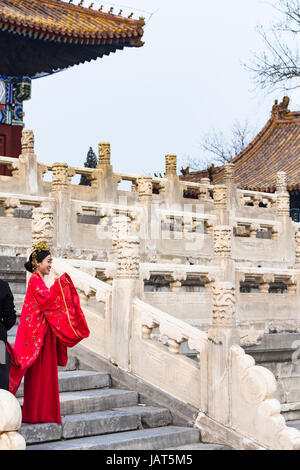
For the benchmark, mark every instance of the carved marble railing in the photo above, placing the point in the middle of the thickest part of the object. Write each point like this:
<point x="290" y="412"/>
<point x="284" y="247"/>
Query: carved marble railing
<point x="233" y="396"/>
<point x="263" y="278"/>
<point x="268" y="299"/>
<point x="202" y="191"/>
<point x="173" y="367"/>
<point x="170" y="224"/>
<point x="256" y="199"/>
<point x="247" y="227"/>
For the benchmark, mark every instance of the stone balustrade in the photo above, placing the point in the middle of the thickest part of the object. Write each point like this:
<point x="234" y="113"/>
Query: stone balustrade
<point x="265" y="278"/>
<point x="244" y="227"/>
<point x="256" y="199"/>
<point x="235" y="400"/>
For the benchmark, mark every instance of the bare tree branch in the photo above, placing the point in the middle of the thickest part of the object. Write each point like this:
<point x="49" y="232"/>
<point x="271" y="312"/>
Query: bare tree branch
<point x="279" y="65"/>
<point x="219" y="150"/>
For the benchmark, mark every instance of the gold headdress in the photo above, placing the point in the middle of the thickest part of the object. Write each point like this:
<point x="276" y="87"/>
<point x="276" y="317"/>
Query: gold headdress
<point x="40" y="246"/>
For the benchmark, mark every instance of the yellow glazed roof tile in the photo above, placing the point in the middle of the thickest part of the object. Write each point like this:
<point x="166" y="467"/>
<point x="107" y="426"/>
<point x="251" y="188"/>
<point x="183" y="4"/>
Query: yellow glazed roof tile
<point x="68" y="21"/>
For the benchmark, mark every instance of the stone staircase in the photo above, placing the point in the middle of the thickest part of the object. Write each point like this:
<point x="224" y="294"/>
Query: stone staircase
<point x="96" y="415"/>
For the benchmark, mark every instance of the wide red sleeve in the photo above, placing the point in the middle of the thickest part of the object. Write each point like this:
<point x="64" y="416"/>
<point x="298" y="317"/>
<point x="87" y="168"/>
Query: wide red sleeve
<point x="61" y="307"/>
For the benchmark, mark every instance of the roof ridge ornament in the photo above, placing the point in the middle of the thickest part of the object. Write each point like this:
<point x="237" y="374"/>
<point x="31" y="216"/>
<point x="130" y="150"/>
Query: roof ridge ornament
<point x="279" y="111"/>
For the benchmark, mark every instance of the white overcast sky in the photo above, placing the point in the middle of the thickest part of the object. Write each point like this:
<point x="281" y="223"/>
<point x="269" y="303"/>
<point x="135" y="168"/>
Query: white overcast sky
<point x="186" y="80"/>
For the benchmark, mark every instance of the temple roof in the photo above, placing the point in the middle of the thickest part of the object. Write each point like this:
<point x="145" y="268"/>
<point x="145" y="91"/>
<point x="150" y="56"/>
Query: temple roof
<point x="42" y="36"/>
<point x="275" y="148"/>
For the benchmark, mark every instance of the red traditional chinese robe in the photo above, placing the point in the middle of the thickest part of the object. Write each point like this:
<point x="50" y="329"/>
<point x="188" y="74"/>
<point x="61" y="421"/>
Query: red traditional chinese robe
<point x="51" y="320"/>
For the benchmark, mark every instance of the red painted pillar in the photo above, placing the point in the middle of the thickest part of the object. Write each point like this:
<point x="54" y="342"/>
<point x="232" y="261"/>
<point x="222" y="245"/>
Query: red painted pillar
<point x="10" y="144"/>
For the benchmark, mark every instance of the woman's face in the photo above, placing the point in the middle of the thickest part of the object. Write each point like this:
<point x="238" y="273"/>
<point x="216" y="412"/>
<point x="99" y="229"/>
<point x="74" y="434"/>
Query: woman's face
<point x="45" y="266"/>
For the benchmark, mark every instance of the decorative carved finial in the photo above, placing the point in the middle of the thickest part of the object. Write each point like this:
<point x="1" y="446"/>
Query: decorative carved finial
<point x="229" y="172"/>
<point x="60" y="180"/>
<point x="91" y="5"/>
<point x="220" y="196"/>
<point x="80" y="3"/>
<point x="101" y="8"/>
<point x="281" y="181"/>
<point x="131" y="15"/>
<point x="27" y="142"/>
<point x="279" y="111"/>
<point x="120" y="12"/>
<point x="104" y="153"/>
<point x="283" y="197"/>
<point x="144" y="188"/>
<point x="111" y="10"/>
<point x="171" y="164"/>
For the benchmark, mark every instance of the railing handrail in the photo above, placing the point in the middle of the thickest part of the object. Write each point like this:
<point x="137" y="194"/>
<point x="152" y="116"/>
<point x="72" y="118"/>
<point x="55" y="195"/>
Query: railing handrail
<point x="187" y="331"/>
<point x="246" y="191"/>
<point x="154" y="267"/>
<point x="9" y="159"/>
<point x="61" y="266"/>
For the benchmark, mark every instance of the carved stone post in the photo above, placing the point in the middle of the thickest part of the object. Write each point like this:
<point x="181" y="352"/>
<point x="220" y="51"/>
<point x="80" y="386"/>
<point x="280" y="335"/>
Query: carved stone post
<point x="28" y="166"/>
<point x="171" y="165"/>
<point x="61" y="192"/>
<point x="174" y="190"/>
<point x="229" y="174"/>
<point x="125" y="286"/>
<point x="222" y="335"/>
<point x="42" y="225"/>
<point x="27" y="142"/>
<point x="283" y="197"/>
<point x="222" y="241"/>
<point x="104" y="153"/>
<point x="144" y="187"/>
<point x="107" y="181"/>
<point x="220" y="202"/>
<point x="297" y="247"/>
<point x="60" y="178"/>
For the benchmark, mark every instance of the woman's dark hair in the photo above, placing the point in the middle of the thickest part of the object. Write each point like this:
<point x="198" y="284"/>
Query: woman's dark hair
<point x="38" y="256"/>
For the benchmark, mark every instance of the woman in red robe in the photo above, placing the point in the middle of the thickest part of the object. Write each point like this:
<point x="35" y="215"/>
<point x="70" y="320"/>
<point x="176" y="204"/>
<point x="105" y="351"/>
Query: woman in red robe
<point x="51" y="320"/>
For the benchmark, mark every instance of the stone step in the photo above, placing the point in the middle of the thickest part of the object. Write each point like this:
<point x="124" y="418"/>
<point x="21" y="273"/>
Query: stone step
<point x="87" y="401"/>
<point x="201" y="446"/>
<point x="76" y="380"/>
<point x="97" y="423"/>
<point x="143" y="439"/>
<point x="294" y="424"/>
<point x="291" y="411"/>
